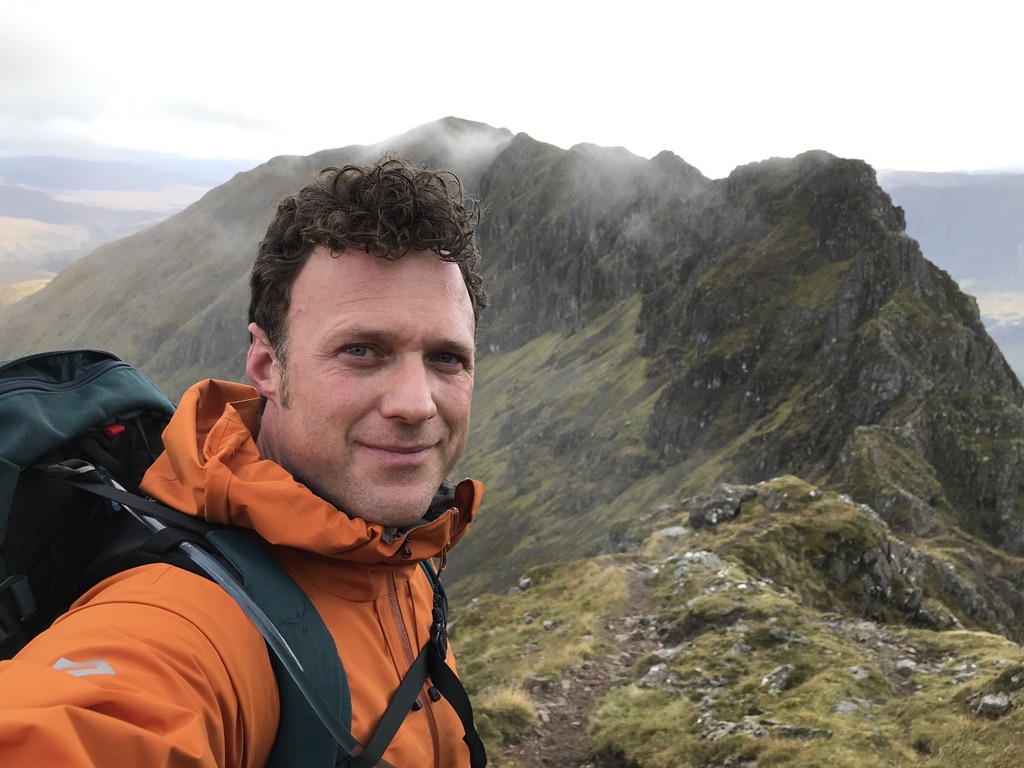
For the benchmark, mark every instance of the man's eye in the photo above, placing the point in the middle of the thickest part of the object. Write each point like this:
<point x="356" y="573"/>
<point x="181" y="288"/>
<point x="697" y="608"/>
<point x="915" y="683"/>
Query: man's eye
<point x="449" y="358"/>
<point x="357" y="351"/>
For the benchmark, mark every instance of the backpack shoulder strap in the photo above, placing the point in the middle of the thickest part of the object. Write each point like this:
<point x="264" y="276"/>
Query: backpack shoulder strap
<point x="430" y="663"/>
<point x="445" y="681"/>
<point x="300" y="731"/>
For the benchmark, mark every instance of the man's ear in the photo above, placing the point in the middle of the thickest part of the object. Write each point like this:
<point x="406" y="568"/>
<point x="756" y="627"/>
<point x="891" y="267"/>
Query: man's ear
<point x="261" y="364"/>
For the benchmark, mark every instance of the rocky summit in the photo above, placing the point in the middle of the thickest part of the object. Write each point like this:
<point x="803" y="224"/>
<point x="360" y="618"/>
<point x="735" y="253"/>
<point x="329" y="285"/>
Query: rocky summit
<point x="754" y="466"/>
<point x="781" y="624"/>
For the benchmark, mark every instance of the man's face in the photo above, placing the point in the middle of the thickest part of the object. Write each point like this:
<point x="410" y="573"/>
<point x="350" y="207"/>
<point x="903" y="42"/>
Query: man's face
<point x="371" y="411"/>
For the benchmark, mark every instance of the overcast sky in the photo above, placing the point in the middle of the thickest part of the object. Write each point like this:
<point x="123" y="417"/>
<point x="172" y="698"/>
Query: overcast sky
<point x="911" y="85"/>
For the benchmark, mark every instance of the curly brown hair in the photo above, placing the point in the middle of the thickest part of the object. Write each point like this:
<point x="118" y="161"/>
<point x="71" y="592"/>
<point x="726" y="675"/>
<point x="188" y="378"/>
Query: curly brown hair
<point x="387" y="209"/>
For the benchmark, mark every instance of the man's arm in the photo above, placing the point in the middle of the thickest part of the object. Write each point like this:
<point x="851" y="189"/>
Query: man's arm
<point x="154" y="667"/>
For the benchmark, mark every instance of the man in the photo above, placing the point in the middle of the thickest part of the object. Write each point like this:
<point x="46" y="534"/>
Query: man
<point x="365" y="297"/>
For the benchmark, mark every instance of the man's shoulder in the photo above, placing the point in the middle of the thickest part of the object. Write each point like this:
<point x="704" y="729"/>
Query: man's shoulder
<point x="171" y="590"/>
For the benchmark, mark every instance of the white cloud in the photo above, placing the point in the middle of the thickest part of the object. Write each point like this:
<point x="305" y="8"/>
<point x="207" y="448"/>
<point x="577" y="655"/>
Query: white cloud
<point x="41" y="81"/>
<point x="926" y="85"/>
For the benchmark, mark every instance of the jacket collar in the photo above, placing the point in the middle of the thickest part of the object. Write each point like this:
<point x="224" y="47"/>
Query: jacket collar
<point x="212" y="468"/>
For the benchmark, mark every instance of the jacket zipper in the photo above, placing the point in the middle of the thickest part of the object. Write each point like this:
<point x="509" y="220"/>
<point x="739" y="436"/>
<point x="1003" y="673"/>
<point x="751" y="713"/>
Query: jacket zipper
<point x="403" y="632"/>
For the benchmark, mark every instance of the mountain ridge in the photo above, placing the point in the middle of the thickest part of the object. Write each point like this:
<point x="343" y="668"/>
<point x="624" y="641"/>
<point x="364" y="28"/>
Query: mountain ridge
<point x="739" y="305"/>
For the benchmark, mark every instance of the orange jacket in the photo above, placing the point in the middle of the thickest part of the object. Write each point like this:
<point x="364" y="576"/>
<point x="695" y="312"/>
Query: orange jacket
<point x="159" y="667"/>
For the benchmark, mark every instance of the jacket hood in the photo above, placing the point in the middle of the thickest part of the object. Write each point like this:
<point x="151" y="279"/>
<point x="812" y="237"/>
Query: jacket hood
<point x="212" y="468"/>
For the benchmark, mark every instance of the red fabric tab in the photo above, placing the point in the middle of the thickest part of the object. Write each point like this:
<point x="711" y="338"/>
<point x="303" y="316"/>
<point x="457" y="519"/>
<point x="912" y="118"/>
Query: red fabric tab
<point x="113" y="430"/>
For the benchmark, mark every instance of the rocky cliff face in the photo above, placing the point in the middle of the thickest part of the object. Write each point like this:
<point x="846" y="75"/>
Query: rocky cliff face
<point x="799" y="313"/>
<point x="569" y="233"/>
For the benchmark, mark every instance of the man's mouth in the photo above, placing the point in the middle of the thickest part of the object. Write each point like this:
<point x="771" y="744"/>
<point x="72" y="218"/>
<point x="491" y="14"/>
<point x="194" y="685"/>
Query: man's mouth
<point x="400" y="453"/>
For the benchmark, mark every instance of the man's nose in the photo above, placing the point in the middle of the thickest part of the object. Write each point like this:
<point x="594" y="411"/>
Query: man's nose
<point x="409" y="395"/>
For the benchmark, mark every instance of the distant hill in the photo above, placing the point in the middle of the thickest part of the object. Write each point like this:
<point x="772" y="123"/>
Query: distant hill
<point x="53" y="210"/>
<point x="15" y="292"/>
<point x="120" y="169"/>
<point x="62" y="173"/>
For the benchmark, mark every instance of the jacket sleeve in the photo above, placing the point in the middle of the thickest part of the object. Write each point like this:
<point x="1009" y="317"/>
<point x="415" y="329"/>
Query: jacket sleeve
<point x="153" y="667"/>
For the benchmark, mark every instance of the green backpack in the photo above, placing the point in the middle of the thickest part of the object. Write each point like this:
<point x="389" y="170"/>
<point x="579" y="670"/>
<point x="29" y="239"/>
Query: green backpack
<point x="78" y="429"/>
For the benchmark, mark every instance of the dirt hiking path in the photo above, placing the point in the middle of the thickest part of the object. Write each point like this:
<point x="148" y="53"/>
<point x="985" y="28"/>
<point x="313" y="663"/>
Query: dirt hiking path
<point x="560" y="738"/>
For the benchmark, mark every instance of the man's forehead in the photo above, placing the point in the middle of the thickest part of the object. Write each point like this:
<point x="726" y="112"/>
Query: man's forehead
<point x="373" y="294"/>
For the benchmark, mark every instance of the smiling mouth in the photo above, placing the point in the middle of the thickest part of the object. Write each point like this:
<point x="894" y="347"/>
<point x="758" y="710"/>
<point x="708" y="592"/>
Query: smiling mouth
<point x="403" y="450"/>
<point x="407" y="450"/>
<point x="411" y="458"/>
